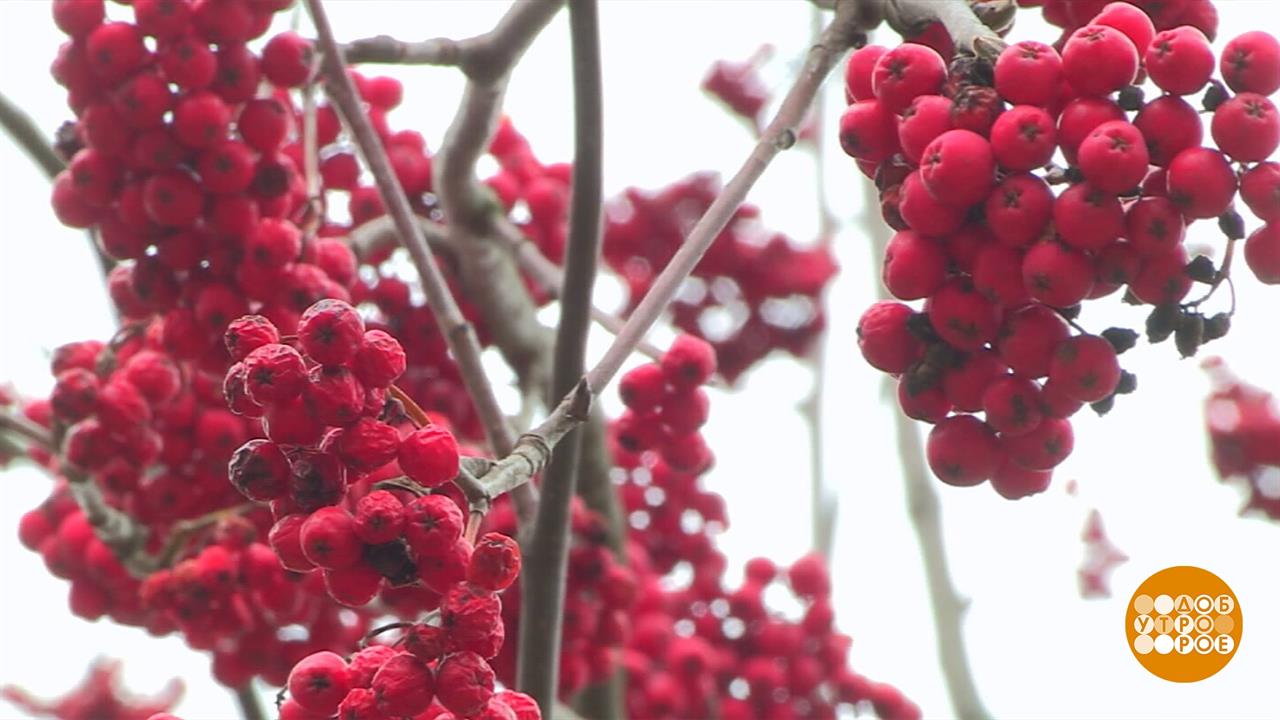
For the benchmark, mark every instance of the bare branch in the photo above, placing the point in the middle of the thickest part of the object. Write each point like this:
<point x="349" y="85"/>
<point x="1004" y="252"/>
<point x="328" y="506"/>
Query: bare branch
<point x="386" y="49"/>
<point x="30" y="138"/>
<point x="547" y="550"/>
<point x="534" y="449"/>
<point x="458" y="333"/>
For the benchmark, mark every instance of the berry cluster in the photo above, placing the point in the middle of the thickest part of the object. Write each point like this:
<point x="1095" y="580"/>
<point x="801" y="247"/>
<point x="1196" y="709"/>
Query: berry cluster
<point x="754" y="291"/>
<point x="445" y="662"/>
<point x="99" y="697"/>
<point x="963" y="156"/>
<point x="259" y="348"/>
<point x="1244" y="427"/>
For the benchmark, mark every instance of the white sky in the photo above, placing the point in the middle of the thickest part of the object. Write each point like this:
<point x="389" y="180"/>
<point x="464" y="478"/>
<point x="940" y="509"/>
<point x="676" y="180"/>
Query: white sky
<point x="1037" y="650"/>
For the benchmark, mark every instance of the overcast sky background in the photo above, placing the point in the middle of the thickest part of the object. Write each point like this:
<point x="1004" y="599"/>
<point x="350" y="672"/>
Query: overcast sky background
<point x="1037" y="649"/>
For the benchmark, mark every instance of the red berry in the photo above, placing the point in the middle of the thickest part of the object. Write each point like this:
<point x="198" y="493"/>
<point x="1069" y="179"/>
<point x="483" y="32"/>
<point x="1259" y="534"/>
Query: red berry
<point x="173" y="199"/>
<point x="495" y="563"/>
<point x="962" y="450"/>
<point x="914" y="266"/>
<point x="688" y="362"/>
<point x="78" y="17"/>
<point x="1154" y="225"/>
<point x="432" y="523"/>
<point x="259" y="470"/>
<point x="1180" y="60"/>
<point x="1162" y="277"/>
<point x="857" y="76"/>
<point x="1043" y="448"/>
<point x="1201" y="182"/>
<point x="380" y="361"/>
<point x="379" y="517"/>
<point x="464" y="683"/>
<point x="331" y="332"/>
<point x="188" y="62"/>
<point x="1169" y="125"/>
<point x="1262" y="253"/>
<point x="1012" y="405"/>
<point x="958" y="168"/>
<point x="329" y="539"/>
<point x="1024" y="138"/>
<point x="886" y="341"/>
<point x="405" y="686"/>
<point x="248" y="333"/>
<point x="1249" y="63"/>
<point x="906" y="72"/>
<point x="997" y="274"/>
<point x="1128" y="19"/>
<point x="1029" y="337"/>
<point x="1085" y="367"/>
<point x="114" y="50"/>
<point x="868" y="131"/>
<point x="962" y="316"/>
<point x="965" y="383"/>
<point x="1057" y="275"/>
<point x="1246" y="128"/>
<point x="1260" y="191"/>
<point x="927" y="404"/>
<point x="368" y="444"/>
<point x="287" y="59"/>
<point x="1098" y="60"/>
<point x="1028" y="73"/>
<point x="925" y="213"/>
<point x="318" y="479"/>
<point x="643" y="387"/>
<point x="319" y="682"/>
<point x="1087" y="217"/>
<point x="1080" y="117"/>
<point x="1113" y="157"/>
<point x="276" y="373"/>
<point x="1014" y="482"/>
<point x="1019" y="208"/>
<point x="927" y="117"/>
<point x="354" y="586"/>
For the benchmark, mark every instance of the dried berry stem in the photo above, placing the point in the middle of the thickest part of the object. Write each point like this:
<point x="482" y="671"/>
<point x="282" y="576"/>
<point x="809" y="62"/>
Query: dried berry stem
<point x="547" y="550"/>
<point x="416" y="414"/>
<point x="458" y="333"/>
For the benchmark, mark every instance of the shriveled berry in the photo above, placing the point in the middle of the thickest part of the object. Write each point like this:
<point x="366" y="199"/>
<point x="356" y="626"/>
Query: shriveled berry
<point x="380" y="361"/>
<point x="275" y="373"/>
<point x="464" y="683"/>
<point x="331" y="332"/>
<point x="259" y="470"/>
<point x="432" y="523"/>
<point x="379" y="518"/>
<point x="404" y="685"/>
<point x="495" y="562"/>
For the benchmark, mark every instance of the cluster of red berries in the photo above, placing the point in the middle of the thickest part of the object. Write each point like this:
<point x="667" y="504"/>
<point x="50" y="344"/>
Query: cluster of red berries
<point x="1244" y="434"/>
<point x="240" y="297"/>
<point x="99" y="697"/>
<point x="963" y="159"/>
<point x="756" y="290"/>
<point x="1164" y="14"/>
<point x="436" y="670"/>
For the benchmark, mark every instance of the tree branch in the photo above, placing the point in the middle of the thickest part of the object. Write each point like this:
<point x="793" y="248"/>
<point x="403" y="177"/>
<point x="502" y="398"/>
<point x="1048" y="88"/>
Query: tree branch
<point x="926" y="519"/>
<point x="542" y="603"/>
<point x="458" y="333"/>
<point x="966" y="30"/>
<point x="249" y="703"/>
<point x="534" y="449"/>
<point x="30" y="138"/>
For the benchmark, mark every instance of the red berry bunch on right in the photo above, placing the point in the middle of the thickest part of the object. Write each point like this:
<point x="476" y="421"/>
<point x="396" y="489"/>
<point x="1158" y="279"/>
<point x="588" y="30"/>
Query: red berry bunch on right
<point x="1028" y="187"/>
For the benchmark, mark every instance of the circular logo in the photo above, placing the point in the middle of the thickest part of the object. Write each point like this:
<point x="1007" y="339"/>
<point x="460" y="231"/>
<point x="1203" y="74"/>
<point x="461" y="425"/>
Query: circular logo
<point x="1183" y="624"/>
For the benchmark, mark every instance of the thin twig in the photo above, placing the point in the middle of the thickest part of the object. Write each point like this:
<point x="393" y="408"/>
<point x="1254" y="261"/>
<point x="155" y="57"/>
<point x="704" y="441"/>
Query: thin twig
<point x="249" y="703"/>
<point x="534" y="449"/>
<point x="35" y="143"/>
<point x="542" y="603"/>
<point x="926" y="519"/>
<point x="458" y="332"/>
<point x="30" y="138"/>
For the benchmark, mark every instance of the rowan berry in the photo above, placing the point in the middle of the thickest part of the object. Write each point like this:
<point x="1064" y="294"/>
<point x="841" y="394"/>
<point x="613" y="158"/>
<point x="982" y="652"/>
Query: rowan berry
<point x="187" y="61"/>
<point x="1128" y="19"/>
<point x="1260" y="191"/>
<point x="1019" y="208"/>
<point x="1113" y="158"/>
<point x="248" y="333"/>
<point x="1087" y="217"/>
<point x="259" y="470"/>
<point x="1262" y="253"/>
<point x="331" y="332"/>
<point x="958" y="168"/>
<point x="464" y="683"/>
<point x="963" y="384"/>
<point x="432" y="523"/>
<point x="962" y="450"/>
<point x="885" y="338"/>
<point x="929" y="404"/>
<point x="857" y="75"/>
<point x="317" y="479"/>
<point x="1015" y="482"/>
<point x="495" y="562"/>
<point x="360" y="704"/>
<point x="925" y="213"/>
<point x="688" y="362"/>
<point x="319" y="681"/>
<point x="1098" y="60"/>
<point x="355" y="585"/>
<point x="365" y="663"/>
<point x="906" y="72"/>
<point x="287" y="59"/>
<point x="114" y="50"/>
<point x="1180" y="60"/>
<point x="1057" y="275"/>
<point x="1028" y="73"/>
<point x="927" y="117"/>
<point x="1201" y="182"/>
<point x="1246" y="128"/>
<point x="470" y="617"/>
<point x="1249" y="63"/>
<point x="1080" y="117"/>
<point x="404" y="685"/>
<point x="914" y="266"/>
<point x="379" y="361"/>
<point x="1044" y="447"/>
<point x="1154" y="225"/>
<point x="962" y="316"/>
<point x="276" y="373"/>
<point x="1023" y="138"/>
